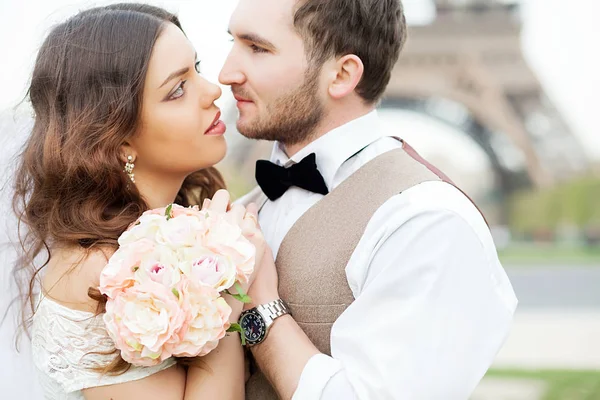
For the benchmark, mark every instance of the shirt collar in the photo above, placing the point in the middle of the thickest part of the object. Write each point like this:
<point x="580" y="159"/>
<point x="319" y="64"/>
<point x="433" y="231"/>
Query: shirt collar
<point x="336" y="146"/>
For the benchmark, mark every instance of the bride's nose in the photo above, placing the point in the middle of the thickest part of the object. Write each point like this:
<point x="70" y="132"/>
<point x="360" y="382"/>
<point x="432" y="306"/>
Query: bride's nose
<point x="210" y="93"/>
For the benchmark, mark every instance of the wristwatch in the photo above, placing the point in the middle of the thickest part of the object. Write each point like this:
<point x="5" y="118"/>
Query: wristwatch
<point x="257" y="321"/>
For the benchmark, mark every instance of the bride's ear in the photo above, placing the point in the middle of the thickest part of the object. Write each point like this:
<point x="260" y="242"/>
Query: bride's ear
<point x="127" y="151"/>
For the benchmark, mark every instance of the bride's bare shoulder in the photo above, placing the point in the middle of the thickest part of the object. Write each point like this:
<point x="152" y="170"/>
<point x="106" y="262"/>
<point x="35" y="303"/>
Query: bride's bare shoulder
<point x="70" y="273"/>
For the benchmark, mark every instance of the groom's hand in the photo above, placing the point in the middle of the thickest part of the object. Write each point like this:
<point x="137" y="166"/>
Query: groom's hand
<point x="264" y="289"/>
<point x="264" y="282"/>
<point x="264" y="286"/>
<point x="251" y="231"/>
<point x="244" y="217"/>
<point x="219" y="203"/>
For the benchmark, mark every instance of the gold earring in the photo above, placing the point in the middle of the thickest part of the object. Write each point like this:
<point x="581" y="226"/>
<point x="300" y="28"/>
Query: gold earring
<point x="129" y="165"/>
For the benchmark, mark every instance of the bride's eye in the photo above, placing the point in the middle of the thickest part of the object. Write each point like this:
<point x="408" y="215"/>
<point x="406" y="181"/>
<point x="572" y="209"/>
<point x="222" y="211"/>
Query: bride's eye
<point x="197" y="66"/>
<point x="179" y="92"/>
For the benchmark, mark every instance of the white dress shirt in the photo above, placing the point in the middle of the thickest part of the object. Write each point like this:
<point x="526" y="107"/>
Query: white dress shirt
<point x="433" y="303"/>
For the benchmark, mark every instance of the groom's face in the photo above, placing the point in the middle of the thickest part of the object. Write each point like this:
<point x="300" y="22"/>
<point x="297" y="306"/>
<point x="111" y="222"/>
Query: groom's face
<point x="277" y="92"/>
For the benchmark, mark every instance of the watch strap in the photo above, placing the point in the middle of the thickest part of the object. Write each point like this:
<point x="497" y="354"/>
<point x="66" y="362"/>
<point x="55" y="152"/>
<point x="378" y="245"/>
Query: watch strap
<point x="273" y="310"/>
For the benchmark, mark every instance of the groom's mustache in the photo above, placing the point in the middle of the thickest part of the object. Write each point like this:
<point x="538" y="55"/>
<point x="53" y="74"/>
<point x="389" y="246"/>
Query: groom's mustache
<point x="240" y="94"/>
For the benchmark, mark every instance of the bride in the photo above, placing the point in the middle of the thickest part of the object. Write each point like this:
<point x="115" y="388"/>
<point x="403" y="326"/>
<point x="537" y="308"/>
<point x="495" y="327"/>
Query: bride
<point x="123" y="123"/>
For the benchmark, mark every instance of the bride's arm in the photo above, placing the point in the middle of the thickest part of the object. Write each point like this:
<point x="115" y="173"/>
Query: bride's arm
<point x="168" y="384"/>
<point x="68" y="286"/>
<point x="220" y="375"/>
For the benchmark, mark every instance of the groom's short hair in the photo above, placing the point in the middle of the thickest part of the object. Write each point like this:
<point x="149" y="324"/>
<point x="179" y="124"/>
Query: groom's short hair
<point x="374" y="30"/>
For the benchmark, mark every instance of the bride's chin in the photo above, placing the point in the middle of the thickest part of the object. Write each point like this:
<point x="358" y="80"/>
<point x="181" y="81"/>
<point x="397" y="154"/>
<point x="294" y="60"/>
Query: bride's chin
<point x="218" y="152"/>
<point x="212" y="154"/>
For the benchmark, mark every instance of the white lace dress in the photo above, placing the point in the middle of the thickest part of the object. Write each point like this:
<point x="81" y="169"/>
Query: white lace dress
<point x="61" y="341"/>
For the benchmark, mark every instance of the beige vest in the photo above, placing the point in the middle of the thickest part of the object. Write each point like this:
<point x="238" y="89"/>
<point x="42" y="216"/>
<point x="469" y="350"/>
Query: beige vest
<point x="313" y="256"/>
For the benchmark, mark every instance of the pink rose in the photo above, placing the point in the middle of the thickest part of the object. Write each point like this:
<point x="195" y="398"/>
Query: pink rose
<point x="206" y="268"/>
<point x="146" y="227"/>
<point x="178" y="210"/>
<point x="181" y="232"/>
<point x="163" y="273"/>
<point x="142" y="319"/>
<point x="118" y="274"/>
<point x="208" y="321"/>
<point x="226" y="239"/>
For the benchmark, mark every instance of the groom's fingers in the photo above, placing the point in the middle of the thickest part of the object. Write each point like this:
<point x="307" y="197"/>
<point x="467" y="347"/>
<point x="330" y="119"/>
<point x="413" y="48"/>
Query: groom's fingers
<point x="248" y="227"/>
<point x="220" y="201"/>
<point x="236" y="213"/>
<point x="252" y="208"/>
<point x="250" y="222"/>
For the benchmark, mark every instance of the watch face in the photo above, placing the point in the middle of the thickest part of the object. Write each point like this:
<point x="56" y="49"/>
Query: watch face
<point x="253" y="326"/>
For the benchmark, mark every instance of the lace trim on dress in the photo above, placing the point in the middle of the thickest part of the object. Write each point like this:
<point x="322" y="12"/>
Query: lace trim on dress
<point x="65" y="343"/>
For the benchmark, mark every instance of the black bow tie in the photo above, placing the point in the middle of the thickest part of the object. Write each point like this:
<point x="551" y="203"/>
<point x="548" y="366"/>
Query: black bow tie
<point x="275" y="180"/>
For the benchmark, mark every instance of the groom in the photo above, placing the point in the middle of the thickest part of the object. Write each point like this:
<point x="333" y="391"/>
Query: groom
<point x="390" y="281"/>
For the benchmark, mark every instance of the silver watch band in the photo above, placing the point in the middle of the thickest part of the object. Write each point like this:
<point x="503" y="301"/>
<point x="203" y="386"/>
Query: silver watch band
<point x="272" y="310"/>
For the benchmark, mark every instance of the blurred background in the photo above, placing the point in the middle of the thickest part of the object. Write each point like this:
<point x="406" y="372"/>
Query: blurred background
<point x="502" y="95"/>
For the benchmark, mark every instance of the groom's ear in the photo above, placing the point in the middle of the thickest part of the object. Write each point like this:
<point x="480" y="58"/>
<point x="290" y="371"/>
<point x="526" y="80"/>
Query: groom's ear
<point x="348" y="71"/>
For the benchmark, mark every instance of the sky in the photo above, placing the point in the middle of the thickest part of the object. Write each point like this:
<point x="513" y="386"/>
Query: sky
<point x="556" y="41"/>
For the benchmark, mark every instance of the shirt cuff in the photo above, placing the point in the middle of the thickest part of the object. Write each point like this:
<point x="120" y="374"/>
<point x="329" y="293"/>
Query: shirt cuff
<point x="315" y="375"/>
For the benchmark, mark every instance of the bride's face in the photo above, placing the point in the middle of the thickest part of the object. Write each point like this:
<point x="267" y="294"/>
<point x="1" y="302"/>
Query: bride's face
<point x="177" y="134"/>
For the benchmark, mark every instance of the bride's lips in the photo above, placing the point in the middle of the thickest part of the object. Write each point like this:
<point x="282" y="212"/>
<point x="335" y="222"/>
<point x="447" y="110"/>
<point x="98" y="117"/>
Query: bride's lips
<point x="217" y="128"/>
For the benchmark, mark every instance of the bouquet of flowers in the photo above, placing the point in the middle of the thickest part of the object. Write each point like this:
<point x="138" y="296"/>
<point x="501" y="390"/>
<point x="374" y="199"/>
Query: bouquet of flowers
<point x="165" y="283"/>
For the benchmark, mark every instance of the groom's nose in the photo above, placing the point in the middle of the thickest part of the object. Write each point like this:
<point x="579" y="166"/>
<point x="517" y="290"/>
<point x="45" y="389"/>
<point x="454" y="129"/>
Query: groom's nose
<point x="231" y="73"/>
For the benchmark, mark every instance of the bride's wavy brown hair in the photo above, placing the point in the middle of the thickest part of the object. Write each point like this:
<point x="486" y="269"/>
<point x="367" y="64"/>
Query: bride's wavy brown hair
<point x="86" y="91"/>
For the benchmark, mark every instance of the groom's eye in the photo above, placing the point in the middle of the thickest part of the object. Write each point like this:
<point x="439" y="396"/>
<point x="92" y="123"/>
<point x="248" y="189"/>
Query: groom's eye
<point x="197" y="66"/>
<point x="257" y="49"/>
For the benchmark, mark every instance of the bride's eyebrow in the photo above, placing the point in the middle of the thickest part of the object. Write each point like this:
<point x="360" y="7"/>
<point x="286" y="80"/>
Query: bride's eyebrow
<point x="178" y="73"/>
<point x="175" y="74"/>
<point x="256" y="39"/>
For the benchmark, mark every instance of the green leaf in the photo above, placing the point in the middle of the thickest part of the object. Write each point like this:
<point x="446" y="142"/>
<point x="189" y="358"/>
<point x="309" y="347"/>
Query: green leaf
<point x="238" y="287"/>
<point x="237" y="328"/>
<point x="135" y="268"/>
<point x="168" y="211"/>
<point x="245" y="298"/>
<point x="175" y="292"/>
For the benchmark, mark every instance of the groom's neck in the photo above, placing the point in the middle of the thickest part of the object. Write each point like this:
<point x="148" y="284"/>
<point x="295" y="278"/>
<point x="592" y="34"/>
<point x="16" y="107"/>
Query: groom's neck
<point x="333" y="119"/>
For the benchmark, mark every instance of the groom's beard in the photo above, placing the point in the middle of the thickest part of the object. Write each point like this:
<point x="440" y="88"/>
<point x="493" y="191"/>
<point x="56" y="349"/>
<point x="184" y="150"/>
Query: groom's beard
<point x="292" y="118"/>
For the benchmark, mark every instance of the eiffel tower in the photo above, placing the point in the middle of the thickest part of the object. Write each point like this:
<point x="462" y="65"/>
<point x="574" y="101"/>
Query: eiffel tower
<point x="466" y="69"/>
